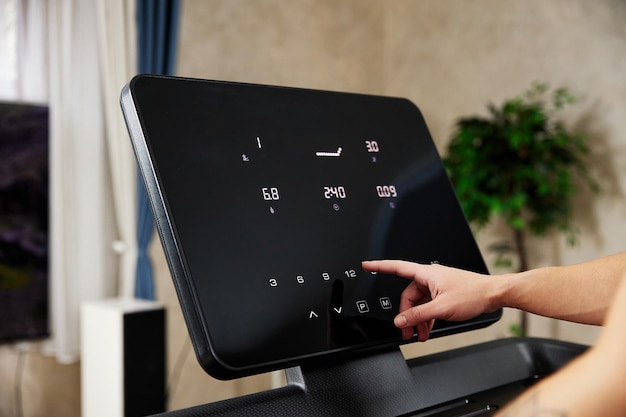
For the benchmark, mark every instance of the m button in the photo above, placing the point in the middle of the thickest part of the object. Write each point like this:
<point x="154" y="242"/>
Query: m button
<point x="385" y="303"/>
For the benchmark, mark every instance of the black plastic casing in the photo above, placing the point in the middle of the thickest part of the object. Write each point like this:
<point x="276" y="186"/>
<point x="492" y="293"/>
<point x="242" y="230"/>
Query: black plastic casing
<point x="267" y="198"/>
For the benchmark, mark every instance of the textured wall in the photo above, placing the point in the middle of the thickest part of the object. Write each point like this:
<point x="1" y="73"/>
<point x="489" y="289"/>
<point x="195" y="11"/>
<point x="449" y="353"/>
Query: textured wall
<point x="314" y="43"/>
<point x="451" y="58"/>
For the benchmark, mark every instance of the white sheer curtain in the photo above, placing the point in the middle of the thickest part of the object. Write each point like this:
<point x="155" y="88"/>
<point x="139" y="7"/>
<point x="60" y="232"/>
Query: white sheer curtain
<point x="80" y="219"/>
<point x="76" y="55"/>
<point x="92" y="56"/>
<point x="117" y="34"/>
<point x="22" y="51"/>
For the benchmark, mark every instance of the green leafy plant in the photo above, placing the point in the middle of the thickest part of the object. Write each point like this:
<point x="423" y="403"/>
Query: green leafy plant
<point x="522" y="164"/>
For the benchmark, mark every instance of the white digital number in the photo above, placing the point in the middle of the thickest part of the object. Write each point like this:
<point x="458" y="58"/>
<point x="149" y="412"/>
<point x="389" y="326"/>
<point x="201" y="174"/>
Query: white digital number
<point x="273" y="282"/>
<point x="336" y="192"/>
<point x="326" y="276"/>
<point x="300" y="279"/>
<point x="350" y="273"/>
<point x="270" y="193"/>
<point x="372" y="146"/>
<point x="386" y="191"/>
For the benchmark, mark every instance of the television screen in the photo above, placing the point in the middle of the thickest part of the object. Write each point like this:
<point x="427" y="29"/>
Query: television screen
<point x="24" y="232"/>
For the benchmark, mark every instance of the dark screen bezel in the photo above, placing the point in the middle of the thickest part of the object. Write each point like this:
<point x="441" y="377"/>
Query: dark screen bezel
<point x="189" y="300"/>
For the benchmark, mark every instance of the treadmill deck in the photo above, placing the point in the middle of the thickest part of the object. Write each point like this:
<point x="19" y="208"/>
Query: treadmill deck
<point x="471" y="381"/>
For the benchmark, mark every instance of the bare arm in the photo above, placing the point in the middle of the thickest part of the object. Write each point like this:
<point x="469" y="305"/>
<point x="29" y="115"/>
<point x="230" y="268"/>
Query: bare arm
<point x="592" y="385"/>
<point x="580" y="293"/>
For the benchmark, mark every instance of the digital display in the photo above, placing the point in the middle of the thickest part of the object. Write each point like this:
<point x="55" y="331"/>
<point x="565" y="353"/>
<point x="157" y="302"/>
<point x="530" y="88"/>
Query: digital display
<point x="270" y="193"/>
<point x="269" y="198"/>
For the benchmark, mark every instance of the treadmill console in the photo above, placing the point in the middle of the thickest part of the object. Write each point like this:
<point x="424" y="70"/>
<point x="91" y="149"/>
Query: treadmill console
<point x="267" y="199"/>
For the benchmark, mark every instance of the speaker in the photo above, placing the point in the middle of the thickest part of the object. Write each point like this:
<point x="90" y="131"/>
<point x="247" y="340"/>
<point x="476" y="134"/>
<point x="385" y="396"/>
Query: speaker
<point x="123" y="367"/>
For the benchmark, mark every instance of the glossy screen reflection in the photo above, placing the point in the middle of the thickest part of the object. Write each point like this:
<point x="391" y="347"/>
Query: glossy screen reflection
<point x="268" y="199"/>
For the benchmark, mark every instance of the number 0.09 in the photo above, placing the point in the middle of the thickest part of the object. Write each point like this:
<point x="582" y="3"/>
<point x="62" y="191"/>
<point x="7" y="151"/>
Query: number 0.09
<point x="384" y="191"/>
<point x="270" y="193"/>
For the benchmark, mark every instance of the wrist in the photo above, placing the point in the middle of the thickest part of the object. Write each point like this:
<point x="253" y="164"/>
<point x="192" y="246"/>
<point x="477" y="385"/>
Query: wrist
<point x="502" y="291"/>
<point x="520" y="290"/>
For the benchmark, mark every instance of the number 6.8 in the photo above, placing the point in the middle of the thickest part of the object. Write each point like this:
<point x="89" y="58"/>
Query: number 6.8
<point x="270" y="193"/>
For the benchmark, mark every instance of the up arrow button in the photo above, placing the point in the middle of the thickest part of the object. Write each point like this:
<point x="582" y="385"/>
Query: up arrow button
<point x="313" y="315"/>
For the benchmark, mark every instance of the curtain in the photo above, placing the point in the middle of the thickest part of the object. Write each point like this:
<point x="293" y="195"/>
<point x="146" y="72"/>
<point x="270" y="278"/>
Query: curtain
<point x="157" y="34"/>
<point x="76" y="55"/>
<point x="23" y="74"/>
<point x="81" y="215"/>
<point x="118" y="56"/>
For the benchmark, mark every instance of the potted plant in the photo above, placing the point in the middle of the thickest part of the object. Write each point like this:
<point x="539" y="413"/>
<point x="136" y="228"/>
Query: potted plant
<point x="522" y="164"/>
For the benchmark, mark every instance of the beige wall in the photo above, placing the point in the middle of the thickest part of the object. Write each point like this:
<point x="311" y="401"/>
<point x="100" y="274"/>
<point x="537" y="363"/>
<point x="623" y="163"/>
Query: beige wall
<point x="450" y="57"/>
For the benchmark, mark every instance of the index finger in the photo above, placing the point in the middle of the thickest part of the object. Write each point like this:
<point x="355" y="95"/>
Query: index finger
<point x="404" y="269"/>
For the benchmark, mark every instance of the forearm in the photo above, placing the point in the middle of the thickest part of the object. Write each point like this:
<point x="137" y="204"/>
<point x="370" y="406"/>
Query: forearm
<point x="592" y="385"/>
<point x="579" y="293"/>
<point x="584" y="388"/>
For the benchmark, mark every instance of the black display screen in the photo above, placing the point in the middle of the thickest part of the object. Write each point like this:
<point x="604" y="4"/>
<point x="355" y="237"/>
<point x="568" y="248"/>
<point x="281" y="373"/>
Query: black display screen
<point x="269" y="198"/>
<point x="24" y="227"/>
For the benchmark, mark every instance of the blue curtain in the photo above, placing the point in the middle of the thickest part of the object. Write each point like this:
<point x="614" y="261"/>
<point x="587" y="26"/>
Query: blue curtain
<point x="157" y="30"/>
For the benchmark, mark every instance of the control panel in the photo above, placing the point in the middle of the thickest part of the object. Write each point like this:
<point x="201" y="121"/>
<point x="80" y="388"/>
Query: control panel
<point x="268" y="200"/>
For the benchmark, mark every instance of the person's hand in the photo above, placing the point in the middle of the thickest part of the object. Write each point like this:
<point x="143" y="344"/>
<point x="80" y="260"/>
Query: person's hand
<point x="436" y="292"/>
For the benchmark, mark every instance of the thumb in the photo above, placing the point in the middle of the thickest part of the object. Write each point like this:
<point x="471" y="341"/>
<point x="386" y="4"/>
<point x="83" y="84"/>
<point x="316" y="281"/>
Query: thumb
<point x="413" y="321"/>
<point x="415" y="315"/>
